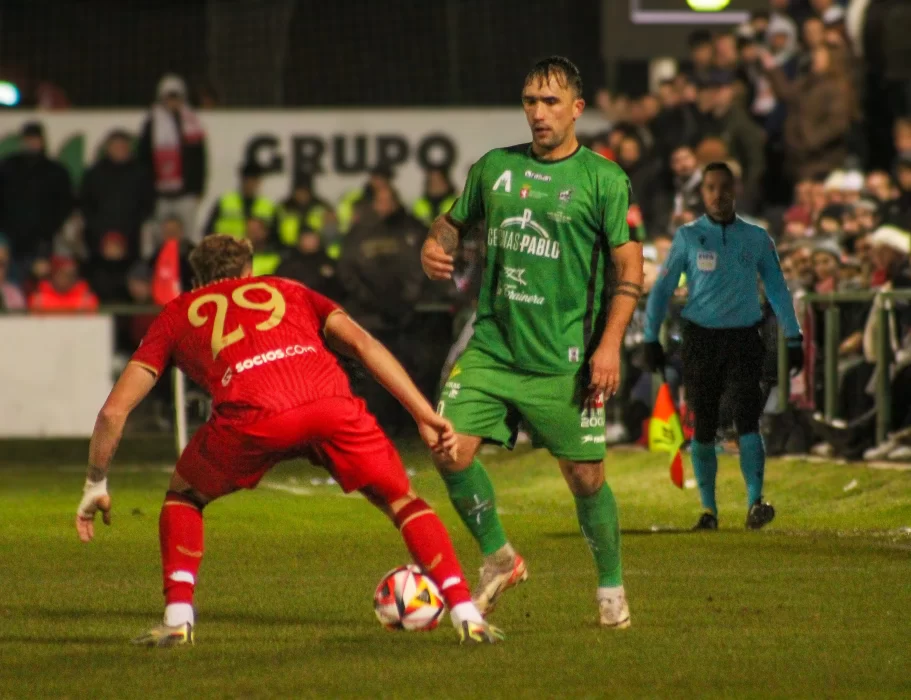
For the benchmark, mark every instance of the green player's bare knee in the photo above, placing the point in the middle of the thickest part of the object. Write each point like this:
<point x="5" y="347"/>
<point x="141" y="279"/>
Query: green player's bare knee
<point x="583" y="478"/>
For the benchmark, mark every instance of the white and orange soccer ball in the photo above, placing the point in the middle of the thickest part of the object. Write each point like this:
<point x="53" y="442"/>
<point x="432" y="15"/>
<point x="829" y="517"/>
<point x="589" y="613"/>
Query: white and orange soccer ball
<point x="407" y="599"/>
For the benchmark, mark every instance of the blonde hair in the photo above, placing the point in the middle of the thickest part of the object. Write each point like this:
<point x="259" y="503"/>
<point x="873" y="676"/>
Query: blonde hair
<point x="220" y="256"/>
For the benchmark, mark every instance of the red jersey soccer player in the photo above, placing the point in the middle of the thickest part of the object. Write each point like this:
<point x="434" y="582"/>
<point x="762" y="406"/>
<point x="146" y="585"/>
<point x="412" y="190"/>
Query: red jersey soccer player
<point x="257" y="346"/>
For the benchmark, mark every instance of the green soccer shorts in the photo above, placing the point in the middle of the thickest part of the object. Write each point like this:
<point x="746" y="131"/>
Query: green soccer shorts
<point x="488" y="399"/>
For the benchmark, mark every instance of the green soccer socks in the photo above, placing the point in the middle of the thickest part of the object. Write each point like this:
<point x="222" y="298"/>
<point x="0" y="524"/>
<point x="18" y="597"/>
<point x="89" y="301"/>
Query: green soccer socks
<point x="471" y="493"/>
<point x="600" y="526"/>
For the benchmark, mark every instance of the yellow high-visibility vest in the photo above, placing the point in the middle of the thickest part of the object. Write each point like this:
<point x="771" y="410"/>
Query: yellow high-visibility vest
<point x="345" y="209"/>
<point x="423" y="208"/>
<point x="289" y="223"/>
<point x="232" y="219"/>
<point x="265" y="263"/>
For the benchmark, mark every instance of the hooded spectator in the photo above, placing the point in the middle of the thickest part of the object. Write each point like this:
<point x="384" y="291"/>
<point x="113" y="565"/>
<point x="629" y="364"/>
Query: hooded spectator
<point x="117" y="196"/>
<point x="11" y="298"/>
<point x="172" y="147"/>
<point x="36" y="197"/>
<point x="783" y="45"/>
<point x="63" y="291"/>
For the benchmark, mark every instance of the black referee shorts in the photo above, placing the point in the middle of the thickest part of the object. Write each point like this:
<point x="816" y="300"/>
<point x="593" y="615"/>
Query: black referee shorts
<point x="722" y="362"/>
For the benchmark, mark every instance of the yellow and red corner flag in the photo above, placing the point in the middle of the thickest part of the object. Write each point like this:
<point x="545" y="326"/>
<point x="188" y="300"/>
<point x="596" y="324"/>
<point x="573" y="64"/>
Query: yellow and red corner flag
<point x="665" y="433"/>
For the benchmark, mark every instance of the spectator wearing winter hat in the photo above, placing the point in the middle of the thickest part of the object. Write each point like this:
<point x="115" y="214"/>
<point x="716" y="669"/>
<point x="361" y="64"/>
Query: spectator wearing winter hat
<point x="11" y="298"/>
<point x="852" y="186"/>
<point x="833" y="186"/>
<point x="796" y="222"/>
<point x="173" y="149"/>
<point x="891" y="248"/>
<point x="63" y="291"/>
<point x="826" y="265"/>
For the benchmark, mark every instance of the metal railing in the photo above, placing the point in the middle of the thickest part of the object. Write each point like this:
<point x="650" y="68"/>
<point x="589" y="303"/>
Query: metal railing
<point x="832" y="340"/>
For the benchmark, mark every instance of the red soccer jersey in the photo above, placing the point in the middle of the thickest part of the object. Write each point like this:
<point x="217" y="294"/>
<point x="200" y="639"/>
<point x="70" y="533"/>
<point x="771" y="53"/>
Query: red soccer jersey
<point x="254" y="344"/>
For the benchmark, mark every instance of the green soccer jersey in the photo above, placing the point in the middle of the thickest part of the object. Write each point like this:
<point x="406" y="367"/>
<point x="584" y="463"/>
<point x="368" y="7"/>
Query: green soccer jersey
<point x="550" y="227"/>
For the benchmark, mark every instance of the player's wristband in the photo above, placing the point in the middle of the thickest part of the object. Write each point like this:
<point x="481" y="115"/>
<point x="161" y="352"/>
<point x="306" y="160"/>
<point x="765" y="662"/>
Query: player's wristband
<point x="96" y="488"/>
<point x="90" y="492"/>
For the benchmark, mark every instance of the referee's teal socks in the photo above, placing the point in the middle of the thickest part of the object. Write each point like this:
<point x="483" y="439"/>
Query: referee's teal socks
<point x="705" y="464"/>
<point x="752" y="464"/>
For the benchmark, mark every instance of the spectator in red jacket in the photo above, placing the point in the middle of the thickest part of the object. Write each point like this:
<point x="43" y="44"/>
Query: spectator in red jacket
<point x="63" y="291"/>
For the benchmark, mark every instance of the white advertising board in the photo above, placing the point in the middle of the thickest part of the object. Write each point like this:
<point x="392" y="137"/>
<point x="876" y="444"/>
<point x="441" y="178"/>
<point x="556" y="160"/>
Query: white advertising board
<point x="55" y="374"/>
<point x="342" y="144"/>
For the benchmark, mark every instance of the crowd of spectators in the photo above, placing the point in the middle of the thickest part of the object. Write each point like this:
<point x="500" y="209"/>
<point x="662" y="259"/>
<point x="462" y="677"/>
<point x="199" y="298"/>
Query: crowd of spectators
<point x="809" y="102"/>
<point x="813" y="113"/>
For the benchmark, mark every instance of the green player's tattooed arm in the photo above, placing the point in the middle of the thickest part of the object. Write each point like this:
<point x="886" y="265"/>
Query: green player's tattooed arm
<point x="445" y="232"/>
<point x="439" y="247"/>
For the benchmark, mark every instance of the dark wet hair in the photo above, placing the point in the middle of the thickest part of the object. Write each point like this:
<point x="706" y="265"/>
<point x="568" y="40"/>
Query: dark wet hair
<point x="565" y="71"/>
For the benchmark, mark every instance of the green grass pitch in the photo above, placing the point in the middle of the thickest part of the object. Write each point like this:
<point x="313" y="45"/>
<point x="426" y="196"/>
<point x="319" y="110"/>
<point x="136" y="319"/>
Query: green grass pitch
<point x="816" y="605"/>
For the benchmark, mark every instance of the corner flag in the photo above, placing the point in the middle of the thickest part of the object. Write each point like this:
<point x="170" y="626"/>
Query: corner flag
<point x="665" y="433"/>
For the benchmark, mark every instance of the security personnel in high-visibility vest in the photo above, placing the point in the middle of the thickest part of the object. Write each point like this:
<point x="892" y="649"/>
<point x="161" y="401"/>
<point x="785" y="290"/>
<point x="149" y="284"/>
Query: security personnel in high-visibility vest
<point x="230" y="213"/>
<point x="380" y="176"/>
<point x="438" y="198"/>
<point x="266" y="255"/>
<point x="304" y="211"/>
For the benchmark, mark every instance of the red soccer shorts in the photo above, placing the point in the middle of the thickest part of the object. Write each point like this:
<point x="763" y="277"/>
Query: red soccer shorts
<point x="336" y="432"/>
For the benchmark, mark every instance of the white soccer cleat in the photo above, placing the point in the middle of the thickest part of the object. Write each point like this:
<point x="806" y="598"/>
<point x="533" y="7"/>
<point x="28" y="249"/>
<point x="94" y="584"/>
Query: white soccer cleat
<point x="495" y="579"/>
<point x="614" y="610"/>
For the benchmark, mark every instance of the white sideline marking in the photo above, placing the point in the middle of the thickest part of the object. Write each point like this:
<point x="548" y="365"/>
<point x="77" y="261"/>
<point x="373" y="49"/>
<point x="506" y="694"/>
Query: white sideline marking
<point x="285" y="488"/>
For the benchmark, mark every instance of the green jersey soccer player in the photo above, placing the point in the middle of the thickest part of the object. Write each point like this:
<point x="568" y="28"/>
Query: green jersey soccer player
<point x="546" y="344"/>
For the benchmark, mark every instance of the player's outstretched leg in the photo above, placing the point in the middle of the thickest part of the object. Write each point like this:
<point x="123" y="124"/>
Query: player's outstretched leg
<point x="472" y="495"/>
<point x="599" y="521"/>
<point x="180" y="530"/>
<point x="430" y="546"/>
<point x="752" y="464"/>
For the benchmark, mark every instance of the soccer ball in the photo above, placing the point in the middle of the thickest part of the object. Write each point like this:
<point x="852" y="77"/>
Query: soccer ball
<point x="407" y="599"/>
